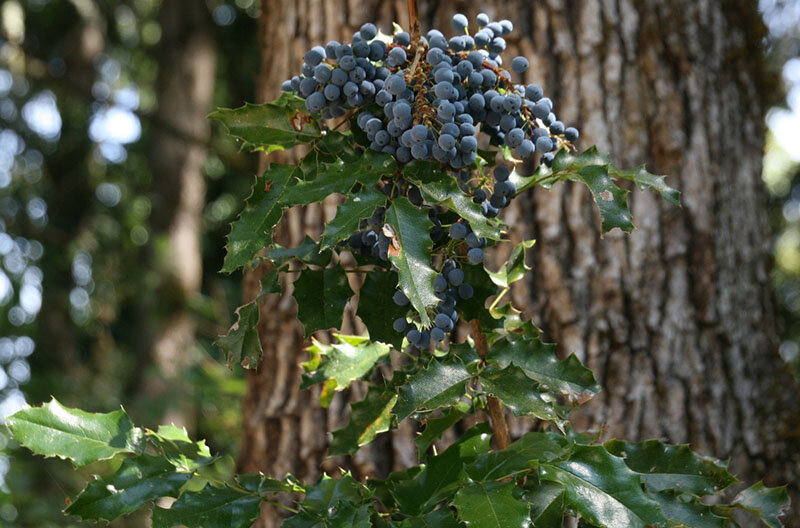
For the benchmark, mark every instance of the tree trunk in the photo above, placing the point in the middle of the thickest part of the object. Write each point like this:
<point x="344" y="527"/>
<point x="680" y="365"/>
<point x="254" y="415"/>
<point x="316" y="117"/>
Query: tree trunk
<point x="677" y="319"/>
<point x="185" y="85"/>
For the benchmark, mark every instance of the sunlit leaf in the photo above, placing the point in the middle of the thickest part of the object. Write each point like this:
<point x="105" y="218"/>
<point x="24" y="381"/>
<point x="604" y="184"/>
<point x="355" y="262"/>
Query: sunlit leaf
<point x="242" y="343"/>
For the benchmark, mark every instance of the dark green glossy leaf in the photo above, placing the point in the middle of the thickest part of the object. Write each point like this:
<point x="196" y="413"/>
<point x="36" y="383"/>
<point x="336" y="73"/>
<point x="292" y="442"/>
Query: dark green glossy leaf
<point x="341" y="515"/>
<point x="327" y="149"/>
<point x="376" y="308"/>
<point x="611" y="200"/>
<point x="138" y="481"/>
<point x="601" y="488"/>
<point x="270" y="283"/>
<point x="663" y="466"/>
<point x="547" y="505"/>
<point x="440" y="384"/>
<point x="475" y="307"/>
<point x="435" y="427"/>
<point x="766" y="503"/>
<point x="252" y="231"/>
<point x="514" y="268"/>
<point x="491" y="505"/>
<point x="321" y="297"/>
<point x="260" y="483"/>
<point x="271" y="126"/>
<point x="441" y="518"/>
<point x="210" y="508"/>
<point x="438" y="187"/>
<point x="518" y="392"/>
<point x="539" y="362"/>
<point x="646" y="180"/>
<point x="326" y="493"/>
<point x="368" y="418"/>
<point x="686" y="511"/>
<point x="53" y="430"/>
<point x="411" y="254"/>
<point x="242" y="343"/>
<point x="520" y="456"/>
<point x="176" y="446"/>
<point x="308" y="252"/>
<point x="349" y="214"/>
<point x="340" y="177"/>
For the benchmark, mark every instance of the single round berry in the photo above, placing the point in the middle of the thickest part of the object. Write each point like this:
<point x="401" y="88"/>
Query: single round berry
<point x="458" y="231"/>
<point x="519" y="64"/>
<point x="400" y="324"/>
<point x="400" y="298"/>
<point x="475" y="256"/>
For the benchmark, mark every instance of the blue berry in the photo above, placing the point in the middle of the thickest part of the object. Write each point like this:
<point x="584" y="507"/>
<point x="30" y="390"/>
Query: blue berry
<point x="400" y="324"/>
<point x="519" y="64"/>
<point x="400" y="298"/>
<point x="475" y="256"/>
<point x="458" y="231"/>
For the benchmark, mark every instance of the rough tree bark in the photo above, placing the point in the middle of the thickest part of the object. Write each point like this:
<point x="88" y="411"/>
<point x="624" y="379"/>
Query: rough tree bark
<point x="185" y="85"/>
<point x="677" y="319"/>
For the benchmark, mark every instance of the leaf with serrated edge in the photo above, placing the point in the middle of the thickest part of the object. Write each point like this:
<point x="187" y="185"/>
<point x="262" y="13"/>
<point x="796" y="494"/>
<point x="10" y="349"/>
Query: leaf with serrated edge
<point x="413" y="256"/>
<point x="138" y="481"/>
<point x="547" y="505"/>
<point x="210" y="508"/>
<point x="491" y="505"/>
<point x="687" y="511"/>
<point x="376" y="308"/>
<point x="520" y="456"/>
<point x="242" y="344"/>
<point x="601" y="488"/>
<point x="349" y="215"/>
<point x="176" y="446"/>
<point x="519" y="393"/>
<point x="646" y="180"/>
<point x="767" y="503"/>
<point x="53" y="430"/>
<point x="368" y="418"/>
<point x="663" y="466"/>
<point x="271" y="126"/>
<point x="321" y="297"/>
<point x="611" y="200"/>
<point x="441" y="518"/>
<point x="435" y="427"/>
<point x="515" y="267"/>
<point x="252" y="230"/>
<point x="308" y="252"/>
<point x="260" y="483"/>
<point x="441" y="383"/>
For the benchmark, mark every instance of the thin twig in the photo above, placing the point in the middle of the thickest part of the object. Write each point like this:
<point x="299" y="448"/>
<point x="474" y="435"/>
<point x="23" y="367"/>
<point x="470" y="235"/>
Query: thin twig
<point x="498" y="418"/>
<point x="413" y="23"/>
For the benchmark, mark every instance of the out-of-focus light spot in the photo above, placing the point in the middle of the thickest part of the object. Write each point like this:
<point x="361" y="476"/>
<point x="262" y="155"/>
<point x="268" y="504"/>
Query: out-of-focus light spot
<point x="14" y="401"/>
<point x="224" y="15"/>
<point x="23" y="346"/>
<point x="79" y="298"/>
<point x="109" y="68"/>
<point x="16" y="316"/>
<point x="20" y="371"/>
<point x="30" y="298"/>
<point x="101" y="90"/>
<point x="127" y="97"/>
<point x="109" y="194"/>
<point x="33" y="275"/>
<point x="8" y="110"/>
<point x="35" y="250"/>
<point x="115" y="125"/>
<point x="7" y="511"/>
<point x="139" y="235"/>
<point x="5" y="178"/>
<point x="6" y="80"/>
<point x="784" y="125"/>
<point x="6" y="349"/>
<point x="244" y="4"/>
<point x="151" y="33"/>
<point x="11" y="142"/>
<point x="6" y="289"/>
<point x="110" y="153"/>
<point x="82" y="268"/>
<point x="41" y="115"/>
<point x="3" y="379"/>
<point x="36" y="208"/>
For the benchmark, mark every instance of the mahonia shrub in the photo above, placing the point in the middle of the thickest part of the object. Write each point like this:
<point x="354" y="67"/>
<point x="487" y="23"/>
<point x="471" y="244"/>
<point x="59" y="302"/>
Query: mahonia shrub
<point x="440" y="140"/>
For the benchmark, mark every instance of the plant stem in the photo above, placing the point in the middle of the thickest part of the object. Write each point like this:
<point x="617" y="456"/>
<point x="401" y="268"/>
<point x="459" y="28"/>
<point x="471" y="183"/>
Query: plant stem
<point x="413" y="22"/>
<point x="496" y="415"/>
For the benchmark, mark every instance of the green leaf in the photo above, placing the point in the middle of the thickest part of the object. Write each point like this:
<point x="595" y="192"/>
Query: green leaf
<point x="210" y="508"/>
<point x="270" y="283"/>
<point x="519" y="393"/>
<point x="686" y="510"/>
<point x="520" y="456"/>
<point x="53" y="430"/>
<point x="539" y="362"/>
<point x="646" y="180"/>
<point x="411" y="254"/>
<point x="438" y="187"/>
<point x="376" y="308"/>
<point x="368" y="418"/>
<point x="341" y="363"/>
<point x="330" y="147"/>
<point x="321" y="297"/>
<point x="175" y="444"/>
<point x="611" y="200"/>
<point x="475" y="308"/>
<point x="515" y="267"/>
<point x="663" y="466"/>
<point x="435" y="427"/>
<point x="340" y="177"/>
<point x="439" y="384"/>
<point x="260" y="483"/>
<point x="601" y="488"/>
<point x="331" y="502"/>
<point x="349" y="215"/>
<point x="547" y="505"/>
<point x="308" y="252"/>
<point x="441" y="518"/>
<point x="270" y="126"/>
<point x="242" y="343"/>
<point x="766" y="503"/>
<point x="491" y="505"/>
<point x="252" y="231"/>
<point x="138" y="481"/>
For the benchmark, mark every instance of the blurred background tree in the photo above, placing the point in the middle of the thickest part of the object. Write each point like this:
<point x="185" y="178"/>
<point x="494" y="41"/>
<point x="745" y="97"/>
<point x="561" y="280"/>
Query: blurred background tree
<point x="109" y="169"/>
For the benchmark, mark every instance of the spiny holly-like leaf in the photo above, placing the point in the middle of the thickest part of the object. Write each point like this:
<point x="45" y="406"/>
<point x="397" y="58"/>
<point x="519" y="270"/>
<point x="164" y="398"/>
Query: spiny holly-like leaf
<point x="242" y="344"/>
<point x="349" y="215"/>
<point x="368" y="418"/>
<point x="663" y="466"/>
<point x="53" y="430"/>
<point x="601" y="488"/>
<point x="547" y="505"/>
<point x="210" y="508"/>
<point x="441" y="518"/>
<point x="492" y="505"/>
<point x="439" y="384"/>
<point x="522" y="455"/>
<point x="611" y="200"/>
<point x="308" y="252"/>
<point x="686" y="511"/>
<point x="646" y="180"/>
<point x="410" y="252"/>
<point x="327" y="149"/>
<point x="270" y="283"/>
<point x="519" y="393"/>
<point x="341" y="515"/>
<point x="260" y="483"/>
<point x="515" y="267"/>
<point x="333" y="503"/>
<point x="138" y="481"/>
<point x="376" y="308"/>
<point x="539" y="362"/>
<point x="252" y="231"/>
<point x="340" y="177"/>
<point x="438" y="187"/>
<point x="175" y="444"/>
<point x="435" y="427"/>
<point x="339" y="364"/>
<point x="321" y="297"/>
<point x="766" y="503"/>
<point x="483" y="288"/>
<point x="271" y="126"/>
